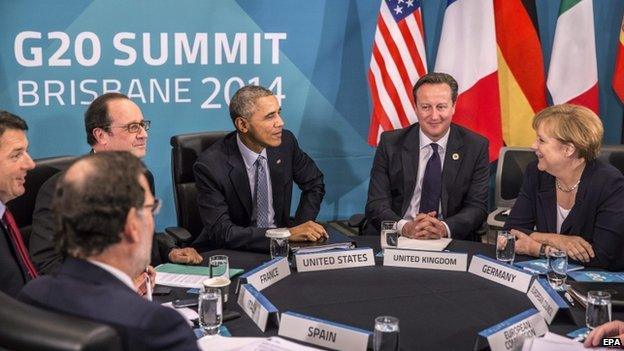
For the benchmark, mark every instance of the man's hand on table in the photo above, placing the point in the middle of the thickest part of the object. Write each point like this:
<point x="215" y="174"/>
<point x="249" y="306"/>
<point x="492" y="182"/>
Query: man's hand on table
<point x="308" y="231"/>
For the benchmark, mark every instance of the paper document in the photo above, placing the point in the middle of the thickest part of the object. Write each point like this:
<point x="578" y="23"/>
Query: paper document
<point x="418" y="244"/>
<point x="188" y="314"/>
<point x="554" y="342"/>
<point x="250" y="344"/>
<point x="183" y="276"/>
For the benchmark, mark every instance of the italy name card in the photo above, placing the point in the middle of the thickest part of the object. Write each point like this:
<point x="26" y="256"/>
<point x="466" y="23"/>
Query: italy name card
<point x="511" y="333"/>
<point x="501" y="273"/>
<point x="256" y="306"/>
<point x="266" y="274"/>
<point x="448" y="261"/>
<point x="324" y="333"/>
<point x="546" y="299"/>
<point x="335" y="260"/>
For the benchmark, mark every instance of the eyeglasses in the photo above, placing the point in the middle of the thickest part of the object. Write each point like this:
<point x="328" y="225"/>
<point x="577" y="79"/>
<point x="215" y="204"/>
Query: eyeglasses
<point x="134" y="127"/>
<point x="155" y="207"/>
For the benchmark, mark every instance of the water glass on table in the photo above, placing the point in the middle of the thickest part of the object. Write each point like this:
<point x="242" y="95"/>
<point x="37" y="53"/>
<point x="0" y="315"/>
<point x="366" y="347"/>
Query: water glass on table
<point x="210" y="311"/>
<point x="219" y="266"/>
<point x="389" y="234"/>
<point x="505" y="246"/>
<point x="279" y="241"/>
<point x="598" y="310"/>
<point x="557" y="269"/>
<point x="386" y="336"/>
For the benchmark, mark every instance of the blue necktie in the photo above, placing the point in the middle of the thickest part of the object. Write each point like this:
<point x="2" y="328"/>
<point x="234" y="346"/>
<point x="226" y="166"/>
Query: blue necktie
<point x="432" y="183"/>
<point x="262" y="196"/>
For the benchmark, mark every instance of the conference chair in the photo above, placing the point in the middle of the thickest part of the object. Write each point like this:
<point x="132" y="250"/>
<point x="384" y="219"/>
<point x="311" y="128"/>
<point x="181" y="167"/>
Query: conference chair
<point x="512" y="162"/>
<point x="29" y="328"/>
<point x="613" y="154"/>
<point x="185" y="148"/>
<point x="23" y="206"/>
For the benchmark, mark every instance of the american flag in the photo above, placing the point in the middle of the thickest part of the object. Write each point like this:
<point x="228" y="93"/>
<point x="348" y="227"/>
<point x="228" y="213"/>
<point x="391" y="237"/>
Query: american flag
<point x="397" y="61"/>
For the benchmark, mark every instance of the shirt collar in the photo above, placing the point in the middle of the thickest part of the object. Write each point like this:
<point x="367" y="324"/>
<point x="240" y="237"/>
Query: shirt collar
<point x="249" y="156"/>
<point x="119" y="274"/>
<point x="2" y="209"/>
<point x="425" y="141"/>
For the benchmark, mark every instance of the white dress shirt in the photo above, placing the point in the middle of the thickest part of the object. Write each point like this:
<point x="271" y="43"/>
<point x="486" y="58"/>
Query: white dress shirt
<point x="115" y="272"/>
<point x="424" y="154"/>
<point x="249" y="158"/>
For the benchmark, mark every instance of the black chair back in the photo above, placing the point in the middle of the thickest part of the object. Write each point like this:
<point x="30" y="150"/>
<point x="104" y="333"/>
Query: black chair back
<point x="29" y="328"/>
<point x="613" y="154"/>
<point x="512" y="163"/>
<point x="185" y="148"/>
<point x="23" y="206"/>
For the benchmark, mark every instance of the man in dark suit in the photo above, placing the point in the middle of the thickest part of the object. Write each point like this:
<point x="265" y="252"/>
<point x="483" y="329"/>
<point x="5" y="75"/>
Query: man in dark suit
<point x="15" y="266"/>
<point x="244" y="181"/>
<point x="112" y="123"/>
<point x="106" y="211"/>
<point x="431" y="177"/>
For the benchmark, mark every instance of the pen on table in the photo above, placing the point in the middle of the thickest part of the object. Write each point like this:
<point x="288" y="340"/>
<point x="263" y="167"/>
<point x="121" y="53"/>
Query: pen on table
<point x="148" y="283"/>
<point x="569" y="298"/>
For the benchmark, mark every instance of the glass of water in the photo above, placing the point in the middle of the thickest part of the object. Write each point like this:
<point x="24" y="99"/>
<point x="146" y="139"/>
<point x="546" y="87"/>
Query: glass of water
<point x="219" y="266"/>
<point x="598" y="310"/>
<point x="505" y="246"/>
<point x="279" y="241"/>
<point x="557" y="271"/>
<point x="389" y="234"/>
<point x="386" y="337"/>
<point x="210" y="311"/>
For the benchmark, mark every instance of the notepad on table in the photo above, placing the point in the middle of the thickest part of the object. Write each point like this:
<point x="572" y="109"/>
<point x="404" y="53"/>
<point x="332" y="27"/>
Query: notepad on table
<point x="422" y="244"/>
<point x="183" y="276"/>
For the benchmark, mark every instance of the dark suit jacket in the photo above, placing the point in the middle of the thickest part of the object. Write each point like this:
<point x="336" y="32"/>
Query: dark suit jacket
<point x="464" y="180"/>
<point x="224" y="196"/>
<point x="41" y="247"/>
<point x="13" y="275"/>
<point x="597" y="215"/>
<point x="85" y="290"/>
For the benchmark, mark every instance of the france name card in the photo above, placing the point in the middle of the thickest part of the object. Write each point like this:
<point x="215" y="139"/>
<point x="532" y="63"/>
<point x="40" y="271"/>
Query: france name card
<point x="501" y="273"/>
<point x="323" y="333"/>
<point x="510" y="334"/>
<point x="448" y="261"/>
<point x="335" y="260"/>
<point x="546" y="299"/>
<point x="255" y="305"/>
<point x="267" y="274"/>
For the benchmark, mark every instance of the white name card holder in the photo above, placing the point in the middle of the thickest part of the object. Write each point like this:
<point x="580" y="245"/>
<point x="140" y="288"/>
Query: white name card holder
<point x="266" y="274"/>
<point x="510" y="334"/>
<point x="257" y="306"/>
<point x="320" y="261"/>
<point x="501" y="273"/>
<point x="323" y="333"/>
<point x="447" y="261"/>
<point x="547" y="301"/>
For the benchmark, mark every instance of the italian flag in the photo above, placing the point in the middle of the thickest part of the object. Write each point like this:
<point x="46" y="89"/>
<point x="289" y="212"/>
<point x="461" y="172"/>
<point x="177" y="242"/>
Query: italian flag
<point x="573" y="71"/>
<point x="618" y="74"/>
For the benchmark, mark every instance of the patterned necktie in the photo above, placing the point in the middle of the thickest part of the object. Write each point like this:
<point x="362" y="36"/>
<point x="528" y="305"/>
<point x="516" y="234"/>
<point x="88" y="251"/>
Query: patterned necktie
<point x="262" y="196"/>
<point x="432" y="183"/>
<point x="18" y="244"/>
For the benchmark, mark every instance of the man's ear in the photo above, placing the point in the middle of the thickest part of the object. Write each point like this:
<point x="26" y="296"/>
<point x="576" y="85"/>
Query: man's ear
<point x="131" y="228"/>
<point x="242" y="125"/>
<point x="100" y="135"/>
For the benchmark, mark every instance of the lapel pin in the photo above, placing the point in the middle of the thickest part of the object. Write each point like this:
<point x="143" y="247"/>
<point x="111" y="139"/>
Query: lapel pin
<point x="279" y="161"/>
<point x="455" y="156"/>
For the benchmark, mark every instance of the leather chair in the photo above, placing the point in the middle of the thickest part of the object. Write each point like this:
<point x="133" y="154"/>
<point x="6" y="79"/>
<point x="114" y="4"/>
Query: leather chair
<point x="512" y="162"/>
<point x="185" y="148"/>
<point x="28" y="328"/>
<point x="23" y="206"/>
<point x="613" y="154"/>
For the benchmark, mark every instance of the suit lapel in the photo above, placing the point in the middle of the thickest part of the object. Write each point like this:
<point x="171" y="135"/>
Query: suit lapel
<point x="568" y="224"/>
<point x="547" y="199"/>
<point x="238" y="175"/>
<point x="453" y="158"/>
<point x="409" y="160"/>
<point x="276" y="169"/>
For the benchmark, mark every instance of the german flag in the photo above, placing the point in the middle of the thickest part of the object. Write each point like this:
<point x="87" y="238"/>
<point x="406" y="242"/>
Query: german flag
<point x="618" y="73"/>
<point x="522" y="82"/>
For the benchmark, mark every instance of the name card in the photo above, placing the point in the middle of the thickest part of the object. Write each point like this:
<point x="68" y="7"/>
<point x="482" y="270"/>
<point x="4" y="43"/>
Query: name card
<point x="266" y="274"/>
<point x="323" y="333"/>
<point x="510" y="334"/>
<point x="546" y="299"/>
<point x="501" y="273"/>
<point x="256" y="306"/>
<point x="448" y="261"/>
<point x="320" y="261"/>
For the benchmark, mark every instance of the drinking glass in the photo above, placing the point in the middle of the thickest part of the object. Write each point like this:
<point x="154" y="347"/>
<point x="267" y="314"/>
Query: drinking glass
<point x="279" y="242"/>
<point x="389" y="234"/>
<point x="219" y="266"/>
<point x="505" y="246"/>
<point x="557" y="263"/>
<point x="386" y="336"/>
<point x="598" y="310"/>
<point x="210" y="311"/>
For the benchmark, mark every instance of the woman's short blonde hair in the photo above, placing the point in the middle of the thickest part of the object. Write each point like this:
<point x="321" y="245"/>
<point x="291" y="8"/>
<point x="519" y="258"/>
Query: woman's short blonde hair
<point x="573" y="124"/>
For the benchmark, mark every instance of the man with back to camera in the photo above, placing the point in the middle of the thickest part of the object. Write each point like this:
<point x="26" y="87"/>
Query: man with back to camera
<point x="16" y="269"/>
<point x="244" y="180"/>
<point x="431" y="177"/>
<point x="113" y="122"/>
<point x="104" y="212"/>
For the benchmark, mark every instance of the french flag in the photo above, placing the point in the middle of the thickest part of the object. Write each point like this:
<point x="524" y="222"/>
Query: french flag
<point x="467" y="51"/>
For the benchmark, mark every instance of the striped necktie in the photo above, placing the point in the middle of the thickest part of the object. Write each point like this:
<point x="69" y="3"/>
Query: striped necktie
<point x="262" y="196"/>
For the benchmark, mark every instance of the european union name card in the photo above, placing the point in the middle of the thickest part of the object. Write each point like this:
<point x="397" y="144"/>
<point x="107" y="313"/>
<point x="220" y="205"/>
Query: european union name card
<point x="511" y="333"/>
<point x="255" y="305"/>
<point x="448" y="261"/>
<point x="501" y="273"/>
<point x="267" y="274"/>
<point x="335" y="260"/>
<point x="323" y="333"/>
<point x="546" y="299"/>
